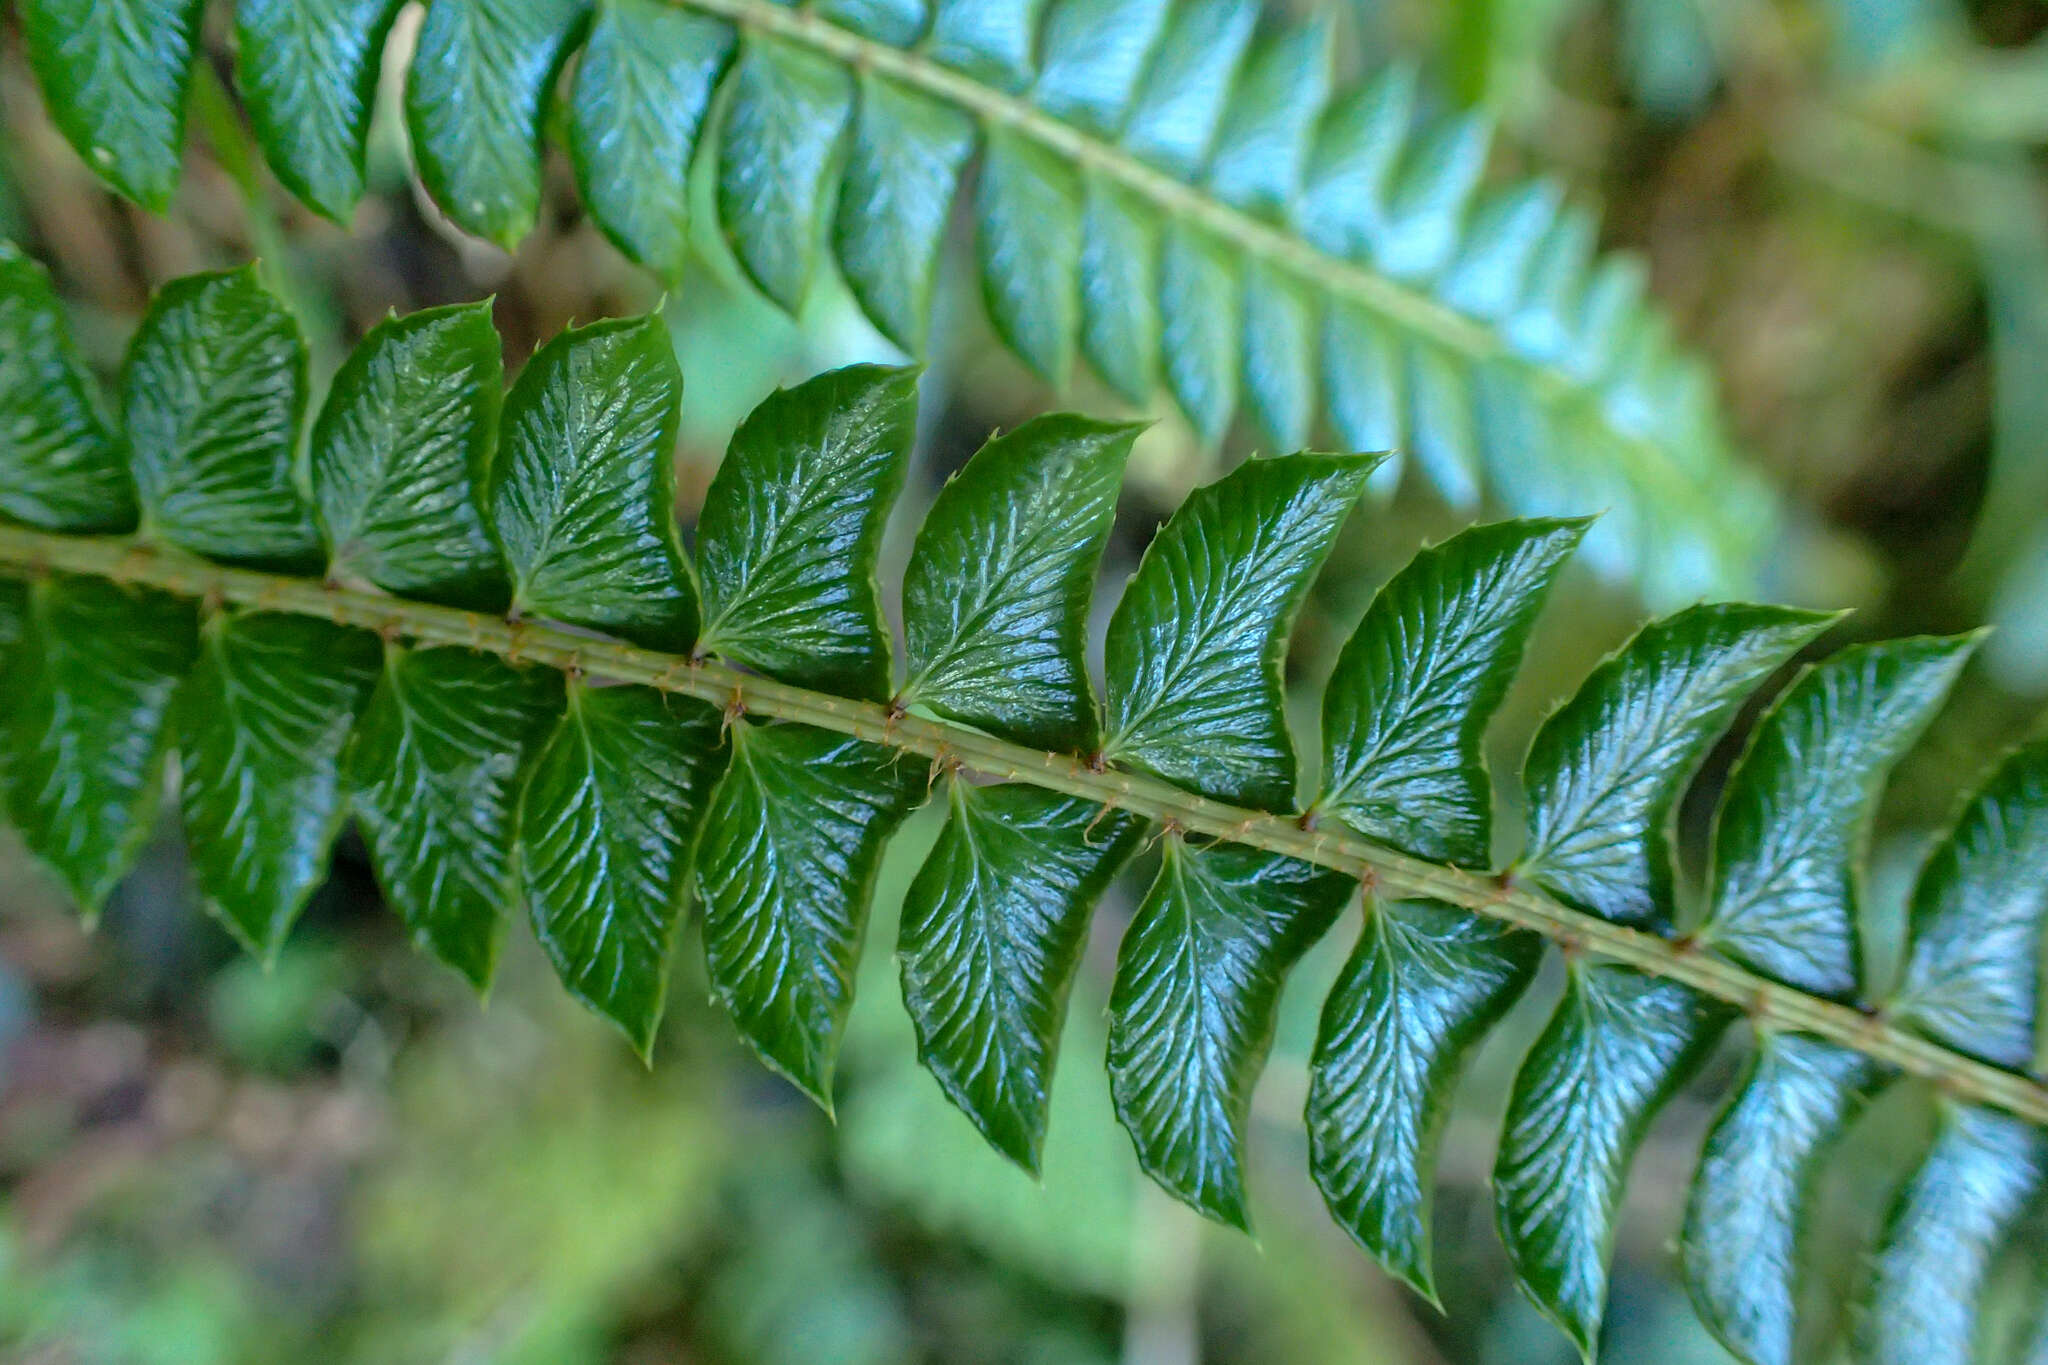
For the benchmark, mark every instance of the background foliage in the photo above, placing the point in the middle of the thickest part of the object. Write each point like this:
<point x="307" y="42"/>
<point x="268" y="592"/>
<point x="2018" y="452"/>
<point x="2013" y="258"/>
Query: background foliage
<point x="1840" y="202"/>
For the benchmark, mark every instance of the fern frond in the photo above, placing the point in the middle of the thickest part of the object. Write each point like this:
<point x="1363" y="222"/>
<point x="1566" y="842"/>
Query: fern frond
<point x="524" y="693"/>
<point x="1158" y="187"/>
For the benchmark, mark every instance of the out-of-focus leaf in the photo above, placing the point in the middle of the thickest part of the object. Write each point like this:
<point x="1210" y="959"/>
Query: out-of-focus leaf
<point x="1028" y="231"/>
<point x="476" y="101"/>
<point x="643" y="86"/>
<point x="114" y="75"/>
<point x="780" y="130"/>
<point x="308" y="74"/>
<point x="903" y="166"/>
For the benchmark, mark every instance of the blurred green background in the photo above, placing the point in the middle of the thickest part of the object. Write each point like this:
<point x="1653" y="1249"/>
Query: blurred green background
<point x="349" y="1159"/>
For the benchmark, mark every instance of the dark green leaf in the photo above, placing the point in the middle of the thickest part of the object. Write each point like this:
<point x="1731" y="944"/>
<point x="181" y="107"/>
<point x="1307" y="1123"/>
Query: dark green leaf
<point x="214" y="389"/>
<point x="400" y="451"/>
<point x="990" y="40"/>
<point x="1405" y="714"/>
<point x="1203" y="338"/>
<point x="1943" y="1231"/>
<point x="476" y="102"/>
<point x="643" y="86"/>
<point x="1617" y="1048"/>
<point x="114" y="75"/>
<point x="308" y="74"/>
<point x="1193" y="1008"/>
<point x="1795" y="820"/>
<point x="787" y="868"/>
<point x="1028" y="231"/>
<point x="434" y="767"/>
<point x="1188" y="82"/>
<point x="1196" y="645"/>
<point x="792" y="526"/>
<point x="1263" y="147"/>
<point x="996" y="594"/>
<point x="605" y="824"/>
<point x="261" y="723"/>
<point x="1093" y="54"/>
<point x="1978" y="911"/>
<point x="1607" y="768"/>
<point x="902" y="169"/>
<point x="786" y="108"/>
<point x="1745" y="1220"/>
<point x="60" y="467"/>
<point x="82" y="739"/>
<point x="582" y="493"/>
<point x="993" y="930"/>
<point x="1419" y="992"/>
<point x="1119" y="289"/>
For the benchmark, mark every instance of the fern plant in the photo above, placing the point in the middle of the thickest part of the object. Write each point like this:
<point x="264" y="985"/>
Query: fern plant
<point x="470" y="624"/>
<point x="1156" y="187"/>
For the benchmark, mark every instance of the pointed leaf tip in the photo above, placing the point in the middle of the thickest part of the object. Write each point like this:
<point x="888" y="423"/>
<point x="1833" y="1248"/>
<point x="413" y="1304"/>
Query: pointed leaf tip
<point x="1617" y="1048"/>
<point x="993" y="929"/>
<point x="1420" y="991"/>
<point x="1976" y="925"/>
<point x="792" y="529"/>
<point x="1194" y="1005"/>
<point x="998" y="589"/>
<point x="1406" y="710"/>
<point x="1195" y="647"/>
<point x="606" y="820"/>
<point x="1791" y="834"/>
<point x="1605" y="772"/>
<point x="582" y="492"/>
<point x="786" y="867"/>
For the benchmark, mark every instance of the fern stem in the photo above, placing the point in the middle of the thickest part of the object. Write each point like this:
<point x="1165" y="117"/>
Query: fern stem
<point x="1322" y="272"/>
<point x="1769" y="1005"/>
